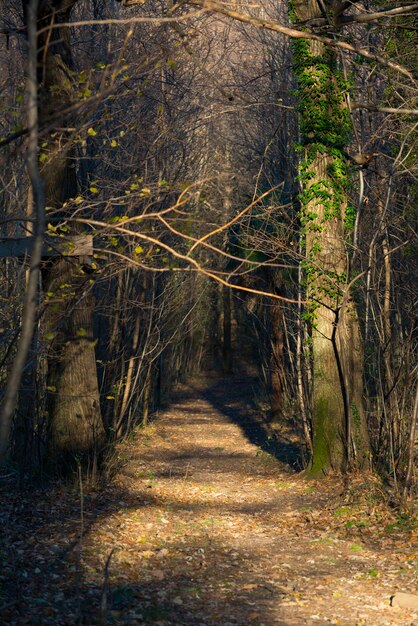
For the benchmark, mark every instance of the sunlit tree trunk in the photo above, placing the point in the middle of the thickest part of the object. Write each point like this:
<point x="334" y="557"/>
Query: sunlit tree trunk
<point x="73" y="407"/>
<point x="340" y="438"/>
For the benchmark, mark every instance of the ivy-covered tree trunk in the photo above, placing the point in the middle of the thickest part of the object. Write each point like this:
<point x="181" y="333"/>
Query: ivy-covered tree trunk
<point x="73" y="407"/>
<point x="340" y="439"/>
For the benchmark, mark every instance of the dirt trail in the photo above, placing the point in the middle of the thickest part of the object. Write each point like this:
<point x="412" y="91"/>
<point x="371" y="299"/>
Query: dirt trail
<point x="208" y="529"/>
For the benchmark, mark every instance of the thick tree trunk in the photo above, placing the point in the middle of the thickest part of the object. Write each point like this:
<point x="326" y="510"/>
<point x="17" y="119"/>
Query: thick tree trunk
<point x="75" y="426"/>
<point x="340" y="438"/>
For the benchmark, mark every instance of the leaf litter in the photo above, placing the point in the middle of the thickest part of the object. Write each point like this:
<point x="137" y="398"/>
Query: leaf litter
<point x="200" y="528"/>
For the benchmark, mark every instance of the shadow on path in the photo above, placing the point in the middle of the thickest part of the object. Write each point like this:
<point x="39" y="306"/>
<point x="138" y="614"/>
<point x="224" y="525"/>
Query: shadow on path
<point x="234" y="398"/>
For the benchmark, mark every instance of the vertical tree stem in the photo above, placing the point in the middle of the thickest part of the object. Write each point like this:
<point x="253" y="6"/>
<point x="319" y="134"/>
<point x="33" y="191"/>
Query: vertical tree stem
<point x="38" y="209"/>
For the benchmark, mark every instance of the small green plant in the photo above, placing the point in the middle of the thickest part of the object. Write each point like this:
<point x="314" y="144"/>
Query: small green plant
<point x="355" y="524"/>
<point x="342" y="511"/>
<point x="151" y="480"/>
<point x="373" y="573"/>
<point x="356" y="547"/>
<point x="282" y="485"/>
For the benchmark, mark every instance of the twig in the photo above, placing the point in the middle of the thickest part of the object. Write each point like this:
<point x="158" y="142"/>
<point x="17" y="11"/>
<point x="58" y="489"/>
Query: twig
<point x="220" y="7"/>
<point x="105" y="589"/>
<point x="80" y="542"/>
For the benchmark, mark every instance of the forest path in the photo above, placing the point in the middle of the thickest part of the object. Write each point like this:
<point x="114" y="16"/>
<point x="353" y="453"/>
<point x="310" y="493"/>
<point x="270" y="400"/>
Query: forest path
<point x="214" y="531"/>
<point x="207" y="529"/>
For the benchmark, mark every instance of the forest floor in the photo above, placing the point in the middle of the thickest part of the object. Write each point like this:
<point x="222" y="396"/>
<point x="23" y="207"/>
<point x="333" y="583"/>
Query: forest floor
<point x="206" y="523"/>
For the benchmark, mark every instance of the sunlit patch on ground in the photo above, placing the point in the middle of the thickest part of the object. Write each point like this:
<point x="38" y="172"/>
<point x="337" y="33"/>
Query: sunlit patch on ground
<point x="203" y="527"/>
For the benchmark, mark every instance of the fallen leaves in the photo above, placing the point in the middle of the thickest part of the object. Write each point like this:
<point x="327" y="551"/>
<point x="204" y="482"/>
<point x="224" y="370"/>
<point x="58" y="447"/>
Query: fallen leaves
<point x="223" y="537"/>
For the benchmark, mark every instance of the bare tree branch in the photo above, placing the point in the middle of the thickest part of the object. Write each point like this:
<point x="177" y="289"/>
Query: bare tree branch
<point x="363" y="18"/>
<point x="213" y="6"/>
<point x="374" y="108"/>
<point x="178" y="255"/>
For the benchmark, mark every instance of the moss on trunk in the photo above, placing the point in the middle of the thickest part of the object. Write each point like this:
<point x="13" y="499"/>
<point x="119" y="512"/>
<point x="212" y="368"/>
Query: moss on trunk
<point x="339" y="441"/>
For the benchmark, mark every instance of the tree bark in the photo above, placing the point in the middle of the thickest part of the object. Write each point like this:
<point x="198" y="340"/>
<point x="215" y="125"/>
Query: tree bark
<point x="340" y="439"/>
<point x="75" y="426"/>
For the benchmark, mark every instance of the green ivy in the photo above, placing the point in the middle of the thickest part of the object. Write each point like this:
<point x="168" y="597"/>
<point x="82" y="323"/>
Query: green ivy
<point x="325" y="127"/>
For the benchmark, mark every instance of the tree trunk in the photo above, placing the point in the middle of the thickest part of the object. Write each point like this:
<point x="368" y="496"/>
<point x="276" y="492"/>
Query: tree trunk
<point x="75" y="426"/>
<point x="340" y="438"/>
<point x="277" y="355"/>
<point x="227" y="334"/>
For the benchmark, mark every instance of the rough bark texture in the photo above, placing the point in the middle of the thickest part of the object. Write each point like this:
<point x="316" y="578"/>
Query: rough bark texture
<point x="75" y="425"/>
<point x="340" y="437"/>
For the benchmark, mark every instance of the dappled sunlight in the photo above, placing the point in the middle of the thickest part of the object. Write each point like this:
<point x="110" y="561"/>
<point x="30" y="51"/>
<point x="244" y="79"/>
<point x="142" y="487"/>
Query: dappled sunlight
<point x="201" y="527"/>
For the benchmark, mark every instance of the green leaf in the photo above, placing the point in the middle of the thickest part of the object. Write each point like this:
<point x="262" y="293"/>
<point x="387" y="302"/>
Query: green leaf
<point x="91" y="132"/>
